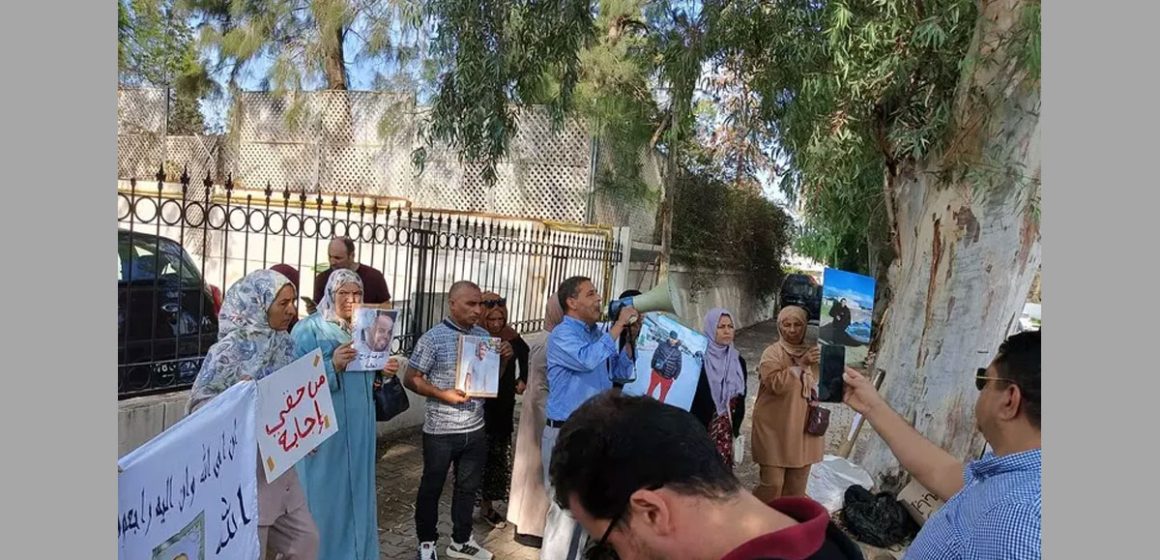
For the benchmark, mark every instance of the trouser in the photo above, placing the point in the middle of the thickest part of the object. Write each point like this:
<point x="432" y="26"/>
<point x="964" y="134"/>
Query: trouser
<point x="665" y="384"/>
<point x="467" y="453"/>
<point x="293" y="536"/>
<point x="778" y="482"/>
<point x="564" y="538"/>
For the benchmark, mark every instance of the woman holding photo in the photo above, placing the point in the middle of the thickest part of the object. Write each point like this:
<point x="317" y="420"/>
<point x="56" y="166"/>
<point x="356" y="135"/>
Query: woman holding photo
<point x="253" y="342"/>
<point x="789" y="375"/>
<point x="499" y="412"/>
<point x="719" y="402"/>
<point x="340" y="476"/>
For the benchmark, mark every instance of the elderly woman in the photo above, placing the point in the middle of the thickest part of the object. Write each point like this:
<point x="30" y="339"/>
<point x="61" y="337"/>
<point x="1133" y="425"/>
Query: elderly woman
<point x="789" y="377"/>
<point x="528" y="505"/>
<point x="719" y="402"/>
<point x="498" y="412"/>
<point x="252" y="343"/>
<point x="340" y="477"/>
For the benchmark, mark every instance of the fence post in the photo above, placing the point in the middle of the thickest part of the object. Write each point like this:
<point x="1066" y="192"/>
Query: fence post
<point x="622" y="241"/>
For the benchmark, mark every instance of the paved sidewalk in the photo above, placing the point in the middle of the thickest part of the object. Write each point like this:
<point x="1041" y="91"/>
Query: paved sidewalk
<point x="400" y="467"/>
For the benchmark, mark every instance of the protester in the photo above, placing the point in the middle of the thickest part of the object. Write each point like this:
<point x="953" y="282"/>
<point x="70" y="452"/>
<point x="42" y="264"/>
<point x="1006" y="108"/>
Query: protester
<point x="453" y="431"/>
<point x="252" y="343"/>
<point x="581" y="364"/>
<point x="291" y="274"/>
<point x="528" y="502"/>
<point x="719" y="402"/>
<point x="645" y="480"/>
<point x="993" y="505"/>
<point x="498" y="413"/>
<point x="341" y="255"/>
<point x="340" y="476"/>
<point x="789" y="376"/>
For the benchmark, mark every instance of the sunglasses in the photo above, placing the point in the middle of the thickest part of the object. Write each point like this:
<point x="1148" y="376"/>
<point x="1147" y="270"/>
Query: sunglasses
<point x="501" y="302"/>
<point x="981" y="379"/>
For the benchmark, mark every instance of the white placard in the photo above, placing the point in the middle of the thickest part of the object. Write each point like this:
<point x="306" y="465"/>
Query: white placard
<point x="295" y="413"/>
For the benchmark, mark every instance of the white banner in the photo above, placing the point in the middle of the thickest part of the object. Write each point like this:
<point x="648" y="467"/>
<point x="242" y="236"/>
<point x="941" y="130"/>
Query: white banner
<point x="191" y="492"/>
<point x="295" y="413"/>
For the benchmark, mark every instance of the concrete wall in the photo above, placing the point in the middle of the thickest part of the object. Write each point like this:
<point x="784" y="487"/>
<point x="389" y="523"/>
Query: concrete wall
<point x="727" y="291"/>
<point x="143" y="418"/>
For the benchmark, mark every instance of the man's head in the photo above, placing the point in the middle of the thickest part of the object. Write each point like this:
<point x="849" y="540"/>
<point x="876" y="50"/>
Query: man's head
<point x="464" y="299"/>
<point x="639" y="471"/>
<point x="580" y="300"/>
<point x="1008" y="408"/>
<point x="381" y="332"/>
<point x="481" y="351"/>
<point x="674" y="340"/>
<point x="341" y="253"/>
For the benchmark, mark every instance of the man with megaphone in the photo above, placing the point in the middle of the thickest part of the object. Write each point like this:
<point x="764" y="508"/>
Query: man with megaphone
<point x="583" y="361"/>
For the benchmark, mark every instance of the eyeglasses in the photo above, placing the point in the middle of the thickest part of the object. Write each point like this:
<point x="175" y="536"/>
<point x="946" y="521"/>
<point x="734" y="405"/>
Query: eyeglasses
<point x="501" y="302"/>
<point x="602" y="550"/>
<point x="981" y="379"/>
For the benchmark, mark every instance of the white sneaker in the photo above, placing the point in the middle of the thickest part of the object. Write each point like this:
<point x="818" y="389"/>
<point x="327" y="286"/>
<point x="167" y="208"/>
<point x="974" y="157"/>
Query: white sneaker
<point x="427" y="551"/>
<point x="469" y="550"/>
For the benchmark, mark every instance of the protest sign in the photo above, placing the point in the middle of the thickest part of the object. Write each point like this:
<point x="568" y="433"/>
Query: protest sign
<point x="295" y="413"/>
<point x="668" y="361"/>
<point x="477" y="371"/>
<point x="193" y="490"/>
<point x="373" y="330"/>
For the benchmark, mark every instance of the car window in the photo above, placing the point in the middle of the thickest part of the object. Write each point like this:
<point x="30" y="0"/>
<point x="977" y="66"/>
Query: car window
<point x="146" y="259"/>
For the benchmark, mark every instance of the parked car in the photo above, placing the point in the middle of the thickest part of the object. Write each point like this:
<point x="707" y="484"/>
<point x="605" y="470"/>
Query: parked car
<point x="803" y="291"/>
<point x="166" y="315"/>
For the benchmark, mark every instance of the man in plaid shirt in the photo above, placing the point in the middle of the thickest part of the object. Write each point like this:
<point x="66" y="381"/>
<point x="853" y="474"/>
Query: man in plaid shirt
<point x="993" y="505"/>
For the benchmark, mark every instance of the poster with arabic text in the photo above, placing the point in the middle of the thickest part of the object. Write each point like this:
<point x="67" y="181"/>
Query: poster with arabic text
<point x="191" y="493"/>
<point x="295" y="413"/>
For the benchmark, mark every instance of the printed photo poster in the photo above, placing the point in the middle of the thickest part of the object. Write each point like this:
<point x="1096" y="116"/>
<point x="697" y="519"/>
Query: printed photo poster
<point x="295" y="414"/>
<point x="477" y="372"/>
<point x="668" y="361"/>
<point x="373" y="330"/>
<point x="847" y="310"/>
<point x="191" y="492"/>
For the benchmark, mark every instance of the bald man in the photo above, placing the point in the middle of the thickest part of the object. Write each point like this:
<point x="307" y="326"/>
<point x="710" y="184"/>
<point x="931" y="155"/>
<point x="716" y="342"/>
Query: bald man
<point x="341" y="255"/>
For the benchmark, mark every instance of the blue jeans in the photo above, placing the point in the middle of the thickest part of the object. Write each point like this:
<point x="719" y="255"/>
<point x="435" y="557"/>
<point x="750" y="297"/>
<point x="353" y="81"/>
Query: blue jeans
<point x="467" y="453"/>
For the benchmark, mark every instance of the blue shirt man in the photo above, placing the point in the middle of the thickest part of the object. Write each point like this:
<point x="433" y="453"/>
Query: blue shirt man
<point x="582" y="360"/>
<point x="993" y="505"/>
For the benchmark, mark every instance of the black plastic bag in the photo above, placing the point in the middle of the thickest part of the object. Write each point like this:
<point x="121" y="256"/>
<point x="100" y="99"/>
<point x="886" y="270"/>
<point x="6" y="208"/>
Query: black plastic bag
<point x="876" y="519"/>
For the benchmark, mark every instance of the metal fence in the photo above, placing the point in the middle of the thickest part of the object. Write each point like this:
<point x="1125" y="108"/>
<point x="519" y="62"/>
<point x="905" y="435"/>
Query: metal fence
<point x="179" y="243"/>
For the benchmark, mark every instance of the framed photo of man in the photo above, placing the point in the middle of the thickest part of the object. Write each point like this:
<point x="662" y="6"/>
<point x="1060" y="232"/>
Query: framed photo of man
<point x="373" y="330"/>
<point x="477" y="369"/>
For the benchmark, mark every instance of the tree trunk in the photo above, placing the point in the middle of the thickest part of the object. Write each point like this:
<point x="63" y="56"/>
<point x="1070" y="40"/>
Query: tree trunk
<point x="672" y="167"/>
<point x="334" y="66"/>
<point x="969" y="251"/>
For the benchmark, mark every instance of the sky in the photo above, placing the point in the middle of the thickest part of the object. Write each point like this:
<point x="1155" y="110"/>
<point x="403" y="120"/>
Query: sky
<point x="853" y="287"/>
<point x="362" y="74"/>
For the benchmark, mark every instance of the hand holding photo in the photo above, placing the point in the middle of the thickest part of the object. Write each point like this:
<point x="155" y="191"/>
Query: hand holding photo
<point x="373" y="331"/>
<point x="668" y="361"/>
<point x="477" y="372"/>
<point x="847" y="308"/>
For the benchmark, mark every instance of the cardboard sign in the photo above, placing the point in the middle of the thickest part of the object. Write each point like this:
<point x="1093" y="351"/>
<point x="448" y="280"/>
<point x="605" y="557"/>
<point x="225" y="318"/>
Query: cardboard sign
<point x="295" y="413"/>
<point x="920" y="502"/>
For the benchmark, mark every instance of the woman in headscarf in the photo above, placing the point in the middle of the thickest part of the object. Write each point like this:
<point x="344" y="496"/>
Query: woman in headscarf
<point x="789" y="377"/>
<point x="291" y="274"/>
<point x="720" y="398"/>
<point x="253" y="342"/>
<point x="528" y="504"/>
<point x="498" y="412"/>
<point x="340" y="477"/>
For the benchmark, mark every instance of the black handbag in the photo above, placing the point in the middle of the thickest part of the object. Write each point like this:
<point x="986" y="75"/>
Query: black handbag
<point x="390" y="398"/>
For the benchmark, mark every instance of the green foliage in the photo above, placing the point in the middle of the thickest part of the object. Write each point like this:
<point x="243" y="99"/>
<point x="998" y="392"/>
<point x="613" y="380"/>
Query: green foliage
<point x="156" y="47"/>
<point x="718" y="228"/>
<point x="491" y="57"/>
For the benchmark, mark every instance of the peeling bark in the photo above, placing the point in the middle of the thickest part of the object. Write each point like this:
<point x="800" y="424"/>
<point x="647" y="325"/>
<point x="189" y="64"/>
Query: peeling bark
<point x="966" y="256"/>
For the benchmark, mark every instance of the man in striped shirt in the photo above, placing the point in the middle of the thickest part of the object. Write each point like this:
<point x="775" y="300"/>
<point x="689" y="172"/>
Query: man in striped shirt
<point x="993" y="505"/>
<point x="453" y="428"/>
